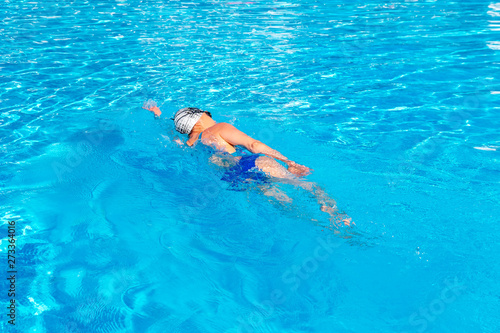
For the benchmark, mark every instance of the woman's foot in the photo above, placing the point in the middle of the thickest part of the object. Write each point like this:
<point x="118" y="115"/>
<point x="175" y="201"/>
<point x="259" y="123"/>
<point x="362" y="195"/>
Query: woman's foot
<point x="335" y="217"/>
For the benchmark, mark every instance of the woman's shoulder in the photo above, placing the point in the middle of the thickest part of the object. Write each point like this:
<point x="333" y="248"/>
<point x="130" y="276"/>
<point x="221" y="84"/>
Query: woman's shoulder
<point x="221" y="125"/>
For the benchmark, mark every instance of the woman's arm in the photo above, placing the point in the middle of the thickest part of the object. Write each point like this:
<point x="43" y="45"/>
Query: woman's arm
<point x="151" y="106"/>
<point x="236" y="137"/>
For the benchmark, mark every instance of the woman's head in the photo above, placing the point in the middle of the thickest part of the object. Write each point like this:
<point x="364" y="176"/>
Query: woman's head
<point x="185" y="119"/>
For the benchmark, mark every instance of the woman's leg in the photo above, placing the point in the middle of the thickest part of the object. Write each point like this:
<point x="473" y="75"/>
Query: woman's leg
<point x="271" y="167"/>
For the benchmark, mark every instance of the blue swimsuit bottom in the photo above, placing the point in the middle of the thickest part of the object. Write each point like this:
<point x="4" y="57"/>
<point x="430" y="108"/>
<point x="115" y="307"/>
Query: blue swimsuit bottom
<point x="242" y="173"/>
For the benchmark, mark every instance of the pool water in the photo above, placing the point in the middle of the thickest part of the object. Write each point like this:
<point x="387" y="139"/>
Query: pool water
<point x="394" y="104"/>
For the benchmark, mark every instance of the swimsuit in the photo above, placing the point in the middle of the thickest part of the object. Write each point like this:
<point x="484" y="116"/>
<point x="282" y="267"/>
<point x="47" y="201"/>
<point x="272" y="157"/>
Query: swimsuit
<point x="244" y="172"/>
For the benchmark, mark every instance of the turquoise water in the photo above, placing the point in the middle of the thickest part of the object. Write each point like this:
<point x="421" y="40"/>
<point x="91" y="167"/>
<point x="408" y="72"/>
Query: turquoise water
<point x="393" y="104"/>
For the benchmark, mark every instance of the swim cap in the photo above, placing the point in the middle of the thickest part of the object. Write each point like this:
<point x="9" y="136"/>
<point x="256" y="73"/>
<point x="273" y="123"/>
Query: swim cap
<point x="186" y="118"/>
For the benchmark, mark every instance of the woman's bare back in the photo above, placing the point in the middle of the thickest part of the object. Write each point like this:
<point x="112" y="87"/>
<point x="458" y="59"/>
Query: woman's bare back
<point x="211" y="137"/>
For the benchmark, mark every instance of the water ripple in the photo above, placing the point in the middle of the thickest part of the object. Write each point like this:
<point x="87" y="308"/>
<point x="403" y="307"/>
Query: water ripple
<point x="394" y="104"/>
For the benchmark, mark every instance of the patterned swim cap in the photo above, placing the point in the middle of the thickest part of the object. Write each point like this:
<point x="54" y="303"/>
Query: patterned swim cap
<point x="186" y="118"/>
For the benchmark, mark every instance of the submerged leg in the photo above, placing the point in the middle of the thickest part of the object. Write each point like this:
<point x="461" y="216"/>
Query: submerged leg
<point x="271" y="167"/>
<point x="276" y="193"/>
<point x="327" y="204"/>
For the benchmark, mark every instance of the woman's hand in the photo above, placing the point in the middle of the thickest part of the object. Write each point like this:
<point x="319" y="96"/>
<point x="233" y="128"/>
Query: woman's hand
<point x="179" y="141"/>
<point x="298" y="169"/>
<point x="151" y="106"/>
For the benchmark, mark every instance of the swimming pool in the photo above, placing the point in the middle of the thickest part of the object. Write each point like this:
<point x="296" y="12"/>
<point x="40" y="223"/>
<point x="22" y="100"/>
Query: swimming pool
<point x="393" y="104"/>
